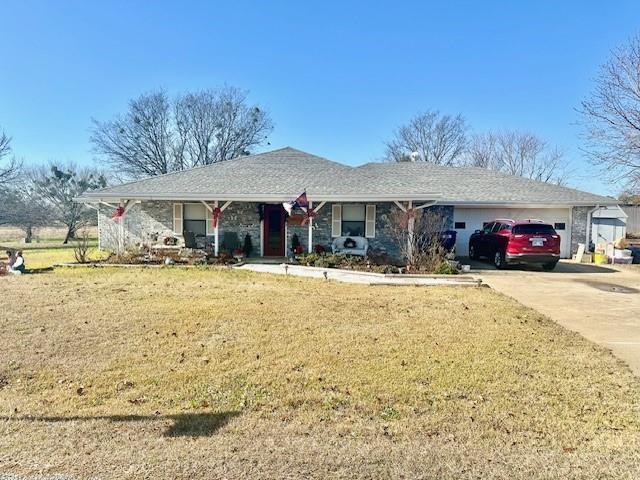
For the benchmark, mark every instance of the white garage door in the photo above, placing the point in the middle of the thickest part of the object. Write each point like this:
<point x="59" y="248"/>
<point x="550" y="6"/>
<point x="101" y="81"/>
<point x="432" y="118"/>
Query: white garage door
<point x="468" y="220"/>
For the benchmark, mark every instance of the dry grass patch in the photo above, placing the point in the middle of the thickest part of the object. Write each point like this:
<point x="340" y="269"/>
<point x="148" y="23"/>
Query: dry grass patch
<point x="203" y="373"/>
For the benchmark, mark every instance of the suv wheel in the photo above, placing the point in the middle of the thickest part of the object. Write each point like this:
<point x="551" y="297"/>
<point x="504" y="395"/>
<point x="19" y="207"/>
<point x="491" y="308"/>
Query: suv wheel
<point x="472" y="253"/>
<point x="498" y="260"/>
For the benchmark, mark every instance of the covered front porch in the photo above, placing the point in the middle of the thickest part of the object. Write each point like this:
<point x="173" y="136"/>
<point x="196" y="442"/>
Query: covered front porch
<point x="222" y="226"/>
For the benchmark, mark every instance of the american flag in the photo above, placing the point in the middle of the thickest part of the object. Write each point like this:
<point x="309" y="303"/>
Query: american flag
<point x="301" y="202"/>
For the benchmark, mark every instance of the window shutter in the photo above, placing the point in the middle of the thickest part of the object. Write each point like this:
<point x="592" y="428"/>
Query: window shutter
<point x="177" y="218"/>
<point x="209" y="221"/>
<point x="370" y="222"/>
<point x="336" y="220"/>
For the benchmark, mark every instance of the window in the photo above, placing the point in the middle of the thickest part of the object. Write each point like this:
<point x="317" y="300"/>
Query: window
<point x="560" y="226"/>
<point x="195" y="218"/>
<point x="533" y="229"/>
<point x="487" y="226"/>
<point x="496" y="227"/>
<point x="459" y="225"/>
<point x="505" y="226"/>
<point x="353" y="220"/>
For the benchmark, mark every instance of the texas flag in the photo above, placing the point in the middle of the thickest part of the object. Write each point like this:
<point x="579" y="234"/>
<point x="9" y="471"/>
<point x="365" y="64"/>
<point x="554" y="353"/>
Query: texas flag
<point x="301" y="202"/>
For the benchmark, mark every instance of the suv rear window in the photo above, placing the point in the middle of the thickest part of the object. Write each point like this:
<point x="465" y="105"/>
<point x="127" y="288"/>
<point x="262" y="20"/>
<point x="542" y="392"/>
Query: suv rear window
<point x="534" y="229"/>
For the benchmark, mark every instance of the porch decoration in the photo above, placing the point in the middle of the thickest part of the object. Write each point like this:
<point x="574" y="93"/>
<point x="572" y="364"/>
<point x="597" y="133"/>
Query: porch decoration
<point x="118" y="213"/>
<point x="308" y="215"/>
<point x="300" y="202"/>
<point x="215" y="215"/>
<point x="295" y="220"/>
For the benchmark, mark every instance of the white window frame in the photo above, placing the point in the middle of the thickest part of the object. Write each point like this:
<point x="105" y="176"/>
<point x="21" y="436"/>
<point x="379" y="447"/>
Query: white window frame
<point x="206" y="218"/>
<point x="336" y="220"/>
<point x="178" y="219"/>
<point x="370" y="221"/>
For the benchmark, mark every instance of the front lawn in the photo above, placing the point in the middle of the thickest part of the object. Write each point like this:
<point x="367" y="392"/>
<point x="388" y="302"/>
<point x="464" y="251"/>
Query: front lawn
<point x="45" y="254"/>
<point x="209" y="373"/>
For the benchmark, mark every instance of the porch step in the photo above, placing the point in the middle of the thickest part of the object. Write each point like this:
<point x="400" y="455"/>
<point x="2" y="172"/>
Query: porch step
<point x="266" y="260"/>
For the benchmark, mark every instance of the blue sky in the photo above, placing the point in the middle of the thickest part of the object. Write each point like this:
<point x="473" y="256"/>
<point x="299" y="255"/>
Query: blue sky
<point x="337" y="77"/>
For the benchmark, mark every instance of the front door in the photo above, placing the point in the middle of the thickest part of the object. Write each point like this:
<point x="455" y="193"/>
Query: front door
<point x="274" y="218"/>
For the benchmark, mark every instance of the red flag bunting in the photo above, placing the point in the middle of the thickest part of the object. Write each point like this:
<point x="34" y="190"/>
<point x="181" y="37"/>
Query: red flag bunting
<point x="215" y="215"/>
<point x="118" y="213"/>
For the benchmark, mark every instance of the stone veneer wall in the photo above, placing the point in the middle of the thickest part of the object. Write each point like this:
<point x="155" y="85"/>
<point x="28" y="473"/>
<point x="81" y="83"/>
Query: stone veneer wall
<point x="140" y="221"/>
<point x="242" y="217"/>
<point x="579" y="226"/>
<point x="383" y="241"/>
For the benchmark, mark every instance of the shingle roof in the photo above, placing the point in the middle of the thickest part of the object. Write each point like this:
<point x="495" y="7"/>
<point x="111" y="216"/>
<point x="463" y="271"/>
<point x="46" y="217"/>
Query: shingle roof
<point x="286" y="172"/>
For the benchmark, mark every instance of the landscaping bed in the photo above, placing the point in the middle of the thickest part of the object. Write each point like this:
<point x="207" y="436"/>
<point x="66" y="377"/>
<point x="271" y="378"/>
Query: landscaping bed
<point x="371" y="263"/>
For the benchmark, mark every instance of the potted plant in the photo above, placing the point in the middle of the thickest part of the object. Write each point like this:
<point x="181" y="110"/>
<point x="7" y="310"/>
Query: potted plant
<point x="295" y="244"/>
<point x="248" y="245"/>
<point x="298" y="250"/>
<point x="238" y="254"/>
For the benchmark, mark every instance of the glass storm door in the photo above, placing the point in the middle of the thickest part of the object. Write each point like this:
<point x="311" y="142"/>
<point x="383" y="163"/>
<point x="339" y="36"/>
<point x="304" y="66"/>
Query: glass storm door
<point x="274" y="218"/>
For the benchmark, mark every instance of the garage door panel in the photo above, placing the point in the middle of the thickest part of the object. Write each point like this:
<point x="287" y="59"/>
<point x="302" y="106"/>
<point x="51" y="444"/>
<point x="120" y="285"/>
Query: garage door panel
<point x="474" y="218"/>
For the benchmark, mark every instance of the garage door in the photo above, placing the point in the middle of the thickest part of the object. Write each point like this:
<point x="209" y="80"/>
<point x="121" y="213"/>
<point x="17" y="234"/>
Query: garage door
<point x="467" y="220"/>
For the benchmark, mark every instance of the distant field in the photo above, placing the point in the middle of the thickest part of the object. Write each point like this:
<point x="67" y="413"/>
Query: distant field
<point x="46" y="235"/>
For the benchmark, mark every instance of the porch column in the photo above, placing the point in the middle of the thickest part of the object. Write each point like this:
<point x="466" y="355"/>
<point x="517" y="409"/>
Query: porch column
<point x="310" y="246"/>
<point x="215" y="233"/>
<point x="410" y="227"/>
<point x="127" y="205"/>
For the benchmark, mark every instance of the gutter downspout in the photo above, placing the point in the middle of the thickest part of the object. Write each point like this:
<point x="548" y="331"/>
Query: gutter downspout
<point x="589" y="225"/>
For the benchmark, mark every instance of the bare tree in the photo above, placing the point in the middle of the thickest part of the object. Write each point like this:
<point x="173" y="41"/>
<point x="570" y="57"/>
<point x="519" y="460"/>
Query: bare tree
<point x="612" y="116"/>
<point x="138" y="144"/>
<point x="59" y="185"/>
<point x="482" y="151"/>
<point x="7" y="172"/>
<point x="23" y="208"/>
<point x="158" y="135"/>
<point x="629" y="198"/>
<point x="429" y="137"/>
<point x="417" y="235"/>
<point x="518" y="153"/>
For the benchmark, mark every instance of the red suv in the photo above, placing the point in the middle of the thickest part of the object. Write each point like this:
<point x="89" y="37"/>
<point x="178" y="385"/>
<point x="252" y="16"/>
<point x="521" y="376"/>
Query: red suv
<point x="508" y="242"/>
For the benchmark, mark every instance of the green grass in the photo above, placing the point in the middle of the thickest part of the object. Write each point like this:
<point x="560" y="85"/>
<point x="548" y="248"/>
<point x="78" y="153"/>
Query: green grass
<point x="207" y="373"/>
<point x="37" y="258"/>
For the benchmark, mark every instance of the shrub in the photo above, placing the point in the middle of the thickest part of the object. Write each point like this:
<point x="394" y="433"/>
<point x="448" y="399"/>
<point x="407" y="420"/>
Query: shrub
<point x="248" y="245"/>
<point x="319" y="248"/>
<point x="308" y="258"/>
<point x="445" y="268"/>
<point x="386" y="269"/>
<point x="295" y="242"/>
<point x="81" y="247"/>
<point x="418" y="237"/>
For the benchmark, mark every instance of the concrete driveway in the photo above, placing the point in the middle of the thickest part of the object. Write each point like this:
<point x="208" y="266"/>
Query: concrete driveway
<point x="600" y="303"/>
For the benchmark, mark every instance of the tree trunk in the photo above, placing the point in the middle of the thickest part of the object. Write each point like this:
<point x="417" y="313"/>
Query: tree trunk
<point x="71" y="234"/>
<point x="28" y="234"/>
